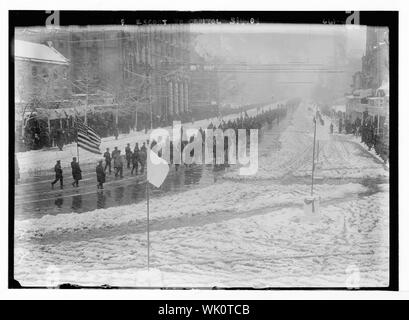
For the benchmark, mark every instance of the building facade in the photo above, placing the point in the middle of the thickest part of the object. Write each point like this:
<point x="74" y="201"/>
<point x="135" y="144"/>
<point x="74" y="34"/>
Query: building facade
<point x="375" y="62"/>
<point x="142" y="67"/>
<point x="370" y="85"/>
<point x="41" y="72"/>
<point x="41" y="79"/>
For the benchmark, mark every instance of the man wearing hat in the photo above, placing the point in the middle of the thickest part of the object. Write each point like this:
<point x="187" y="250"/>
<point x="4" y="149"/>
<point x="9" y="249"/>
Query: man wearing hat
<point x="100" y="175"/>
<point x="118" y="164"/>
<point x="76" y="172"/>
<point x="58" y="175"/>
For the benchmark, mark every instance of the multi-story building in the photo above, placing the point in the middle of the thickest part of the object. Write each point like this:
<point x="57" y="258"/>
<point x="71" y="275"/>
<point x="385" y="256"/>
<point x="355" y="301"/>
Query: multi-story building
<point x="370" y="87"/>
<point x="40" y="70"/>
<point x="142" y="67"/>
<point x="41" y="79"/>
<point x="375" y="62"/>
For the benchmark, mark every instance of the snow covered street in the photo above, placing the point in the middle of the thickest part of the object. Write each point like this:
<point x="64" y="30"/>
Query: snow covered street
<point x="235" y="231"/>
<point x="261" y="248"/>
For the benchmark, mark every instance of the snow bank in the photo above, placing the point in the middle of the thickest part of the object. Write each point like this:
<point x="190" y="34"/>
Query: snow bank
<point x="215" y="199"/>
<point x="274" y="249"/>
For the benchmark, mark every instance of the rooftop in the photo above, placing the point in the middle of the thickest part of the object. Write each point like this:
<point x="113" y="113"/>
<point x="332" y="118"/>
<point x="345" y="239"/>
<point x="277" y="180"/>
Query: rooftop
<point x="30" y="51"/>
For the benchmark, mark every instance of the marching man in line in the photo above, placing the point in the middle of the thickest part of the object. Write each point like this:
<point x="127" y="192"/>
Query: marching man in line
<point x="128" y="155"/>
<point x="76" y="172"/>
<point x="107" y="156"/>
<point x="58" y="175"/>
<point x="119" y="164"/>
<point x="100" y="175"/>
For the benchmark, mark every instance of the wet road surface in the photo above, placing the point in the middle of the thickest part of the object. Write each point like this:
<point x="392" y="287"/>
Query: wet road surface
<point x="35" y="198"/>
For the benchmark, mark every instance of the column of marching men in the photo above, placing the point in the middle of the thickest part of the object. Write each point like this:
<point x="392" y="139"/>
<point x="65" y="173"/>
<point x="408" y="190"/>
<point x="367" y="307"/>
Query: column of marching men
<point x="114" y="161"/>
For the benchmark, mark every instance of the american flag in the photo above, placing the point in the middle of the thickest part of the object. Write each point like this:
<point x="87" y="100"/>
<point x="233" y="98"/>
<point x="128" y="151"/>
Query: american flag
<point x="87" y="138"/>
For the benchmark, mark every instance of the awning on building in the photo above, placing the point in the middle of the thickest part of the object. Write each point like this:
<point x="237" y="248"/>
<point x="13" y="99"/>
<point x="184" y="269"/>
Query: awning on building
<point x="362" y="93"/>
<point x="374" y="111"/>
<point x="36" y="52"/>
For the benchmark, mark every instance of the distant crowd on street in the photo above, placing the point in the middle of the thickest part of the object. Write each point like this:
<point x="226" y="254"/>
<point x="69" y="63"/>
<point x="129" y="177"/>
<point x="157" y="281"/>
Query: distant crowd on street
<point x="373" y="134"/>
<point x="38" y="135"/>
<point x="134" y="158"/>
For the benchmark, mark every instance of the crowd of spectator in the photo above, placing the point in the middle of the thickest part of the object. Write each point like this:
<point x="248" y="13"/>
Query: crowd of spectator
<point x="373" y="134"/>
<point x="37" y="135"/>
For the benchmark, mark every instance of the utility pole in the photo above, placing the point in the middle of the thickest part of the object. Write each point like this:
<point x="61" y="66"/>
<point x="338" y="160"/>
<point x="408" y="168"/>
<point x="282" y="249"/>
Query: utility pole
<point x="218" y="79"/>
<point x="313" y="154"/>
<point x="136" y="116"/>
<point x="86" y="78"/>
<point x="116" y="115"/>
<point x="150" y="98"/>
<point x="86" y="103"/>
<point x="147" y="103"/>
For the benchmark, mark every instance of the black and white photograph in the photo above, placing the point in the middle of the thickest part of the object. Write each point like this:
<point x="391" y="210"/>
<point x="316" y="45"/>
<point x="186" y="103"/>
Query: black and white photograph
<point x="189" y="150"/>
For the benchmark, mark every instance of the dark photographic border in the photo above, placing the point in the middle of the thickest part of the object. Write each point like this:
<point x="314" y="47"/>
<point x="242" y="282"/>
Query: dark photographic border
<point x="19" y="18"/>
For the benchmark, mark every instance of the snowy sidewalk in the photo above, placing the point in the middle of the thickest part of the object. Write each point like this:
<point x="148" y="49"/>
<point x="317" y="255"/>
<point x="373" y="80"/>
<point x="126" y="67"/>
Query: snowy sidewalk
<point x="357" y="140"/>
<point x="45" y="159"/>
<point x="207" y="202"/>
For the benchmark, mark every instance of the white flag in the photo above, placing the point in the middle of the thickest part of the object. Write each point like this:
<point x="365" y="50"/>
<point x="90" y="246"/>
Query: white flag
<point x="157" y="168"/>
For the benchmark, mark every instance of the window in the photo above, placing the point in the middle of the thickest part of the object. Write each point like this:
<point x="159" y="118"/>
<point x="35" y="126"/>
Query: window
<point x="44" y="72"/>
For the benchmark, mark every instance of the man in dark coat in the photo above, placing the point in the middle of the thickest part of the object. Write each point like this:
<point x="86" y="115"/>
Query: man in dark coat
<point x="100" y="175"/>
<point x="76" y="172"/>
<point x="58" y="175"/>
<point x="114" y="152"/>
<point x="135" y="159"/>
<point x="118" y="164"/>
<point x="142" y="158"/>
<point x="371" y="136"/>
<point x="107" y="156"/>
<point x="143" y="148"/>
<point x="128" y="155"/>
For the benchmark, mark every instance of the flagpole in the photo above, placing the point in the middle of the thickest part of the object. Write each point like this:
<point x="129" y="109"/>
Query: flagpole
<point x="147" y="216"/>
<point x="313" y="156"/>
<point x="78" y="150"/>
